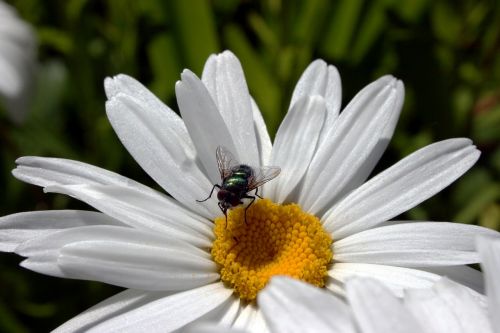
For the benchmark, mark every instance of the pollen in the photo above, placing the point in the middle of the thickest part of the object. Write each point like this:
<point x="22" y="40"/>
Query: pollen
<point x="276" y="240"/>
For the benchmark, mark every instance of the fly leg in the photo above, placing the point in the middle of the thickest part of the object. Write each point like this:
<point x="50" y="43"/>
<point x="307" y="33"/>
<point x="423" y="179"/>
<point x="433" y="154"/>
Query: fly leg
<point x="251" y="202"/>
<point x="211" y="192"/>
<point x="224" y="210"/>
<point x="257" y="193"/>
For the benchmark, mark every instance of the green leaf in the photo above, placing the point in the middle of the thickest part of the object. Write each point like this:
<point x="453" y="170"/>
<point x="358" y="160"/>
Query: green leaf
<point x="486" y="125"/>
<point x="370" y="31"/>
<point x="195" y="29"/>
<point x="165" y="65"/>
<point x="309" y="21"/>
<point x="8" y="321"/>
<point x="341" y="29"/>
<point x="477" y="203"/>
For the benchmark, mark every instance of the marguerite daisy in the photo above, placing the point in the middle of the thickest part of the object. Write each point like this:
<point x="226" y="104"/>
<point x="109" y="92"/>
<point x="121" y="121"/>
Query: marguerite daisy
<point x="320" y="222"/>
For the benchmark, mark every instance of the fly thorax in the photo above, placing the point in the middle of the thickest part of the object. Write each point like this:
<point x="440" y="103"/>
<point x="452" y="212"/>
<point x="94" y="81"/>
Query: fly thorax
<point x="236" y="183"/>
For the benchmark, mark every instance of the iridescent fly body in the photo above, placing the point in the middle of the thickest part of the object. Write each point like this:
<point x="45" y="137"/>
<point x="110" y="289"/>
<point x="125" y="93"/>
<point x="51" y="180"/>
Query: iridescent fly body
<point x="237" y="180"/>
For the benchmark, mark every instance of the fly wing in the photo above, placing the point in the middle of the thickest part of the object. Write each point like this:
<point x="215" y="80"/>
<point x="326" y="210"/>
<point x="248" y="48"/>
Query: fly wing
<point x="263" y="175"/>
<point x="225" y="161"/>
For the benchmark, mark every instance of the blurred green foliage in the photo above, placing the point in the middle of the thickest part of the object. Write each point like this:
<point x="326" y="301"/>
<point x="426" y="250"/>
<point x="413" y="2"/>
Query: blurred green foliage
<point x="446" y="52"/>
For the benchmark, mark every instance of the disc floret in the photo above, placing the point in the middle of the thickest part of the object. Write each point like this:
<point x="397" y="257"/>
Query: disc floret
<point x="276" y="240"/>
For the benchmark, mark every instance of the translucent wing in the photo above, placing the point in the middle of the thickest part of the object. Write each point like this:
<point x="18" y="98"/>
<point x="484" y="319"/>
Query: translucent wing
<point x="263" y="175"/>
<point x="225" y="161"/>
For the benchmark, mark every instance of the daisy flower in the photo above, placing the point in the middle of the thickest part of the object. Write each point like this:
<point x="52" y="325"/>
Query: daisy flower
<point x="17" y="62"/>
<point x="320" y="222"/>
<point x="293" y="306"/>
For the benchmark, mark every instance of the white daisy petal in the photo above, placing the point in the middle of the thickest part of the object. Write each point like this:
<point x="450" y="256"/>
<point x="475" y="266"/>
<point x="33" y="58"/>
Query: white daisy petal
<point x="169" y="313"/>
<point x="263" y="140"/>
<point x="54" y="171"/>
<point x="250" y="319"/>
<point x="295" y="144"/>
<point x="335" y="286"/>
<point x="489" y="250"/>
<point x="109" y="308"/>
<point x="395" y="278"/>
<point x="353" y="145"/>
<point x="139" y="211"/>
<point x="204" y="122"/>
<point x="222" y="316"/>
<point x="416" y="244"/>
<point x="401" y="187"/>
<point x="229" y="314"/>
<point x="447" y="307"/>
<point x="465" y="275"/>
<point x="211" y="328"/>
<point x="247" y="312"/>
<point x="118" y="255"/>
<point x="48" y="246"/>
<point x="44" y="265"/>
<point x="18" y="228"/>
<point x="223" y="76"/>
<point x="292" y="306"/>
<point x="377" y="310"/>
<point x="156" y="141"/>
<point x="323" y="80"/>
<point x="46" y="171"/>
<point x="124" y="84"/>
<point x="136" y="266"/>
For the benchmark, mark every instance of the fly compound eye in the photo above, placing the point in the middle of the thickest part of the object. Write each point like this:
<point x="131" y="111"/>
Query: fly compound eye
<point x="222" y="195"/>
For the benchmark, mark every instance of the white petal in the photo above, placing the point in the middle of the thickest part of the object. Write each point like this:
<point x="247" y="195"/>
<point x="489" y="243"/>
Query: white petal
<point x="401" y="187"/>
<point x="465" y="275"/>
<point x="377" y="310"/>
<point x="292" y="306"/>
<point x="350" y="148"/>
<point x="169" y="313"/>
<point x="46" y="171"/>
<point x="336" y="287"/>
<point x="222" y="316"/>
<point x="323" y="80"/>
<point x="395" y="278"/>
<point x="140" y="211"/>
<point x="250" y="319"/>
<point x="134" y="265"/>
<point x="44" y="251"/>
<point x="18" y="228"/>
<point x="211" y="328"/>
<point x="295" y="144"/>
<point x="158" y="141"/>
<point x="223" y="76"/>
<point x="489" y="250"/>
<point x="263" y="140"/>
<point x="416" y="244"/>
<point x="124" y="84"/>
<point x="204" y="122"/>
<point x="46" y="245"/>
<point x="43" y="171"/>
<point x="447" y="307"/>
<point x="120" y="303"/>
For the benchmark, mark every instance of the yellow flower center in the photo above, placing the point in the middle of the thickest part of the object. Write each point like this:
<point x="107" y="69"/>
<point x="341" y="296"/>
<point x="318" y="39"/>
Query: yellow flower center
<point x="276" y="240"/>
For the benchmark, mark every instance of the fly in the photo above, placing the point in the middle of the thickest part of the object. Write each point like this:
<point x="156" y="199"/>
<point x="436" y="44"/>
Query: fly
<point x="237" y="180"/>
